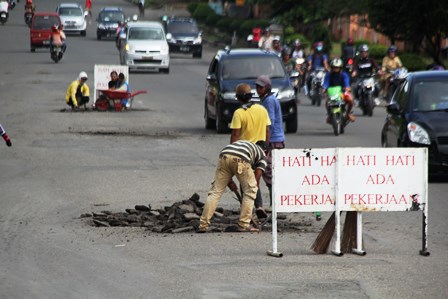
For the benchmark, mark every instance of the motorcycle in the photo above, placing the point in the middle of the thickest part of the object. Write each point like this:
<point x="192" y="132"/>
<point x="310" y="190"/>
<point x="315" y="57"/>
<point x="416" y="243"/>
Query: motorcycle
<point x="397" y="77"/>
<point x="348" y="67"/>
<point x="28" y="17"/>
<point x="367" y="90"/>
<point x="56" y="53"/>
<point x="336" y="109"/>
<point x="3" y="17"/>
<point x="317" y="80"/>
<point x="12" y="4"/>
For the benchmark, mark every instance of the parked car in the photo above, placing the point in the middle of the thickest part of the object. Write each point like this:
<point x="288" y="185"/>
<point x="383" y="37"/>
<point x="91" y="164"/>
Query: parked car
<point x="107" y="22"/>
<point x="230" y="67"/>
<point x="73" y="18"/>
<point x="40" y="29"/>
<point x="143" y="46"/>
<point x="184" y="36"/>
<point x="418" y="117"/>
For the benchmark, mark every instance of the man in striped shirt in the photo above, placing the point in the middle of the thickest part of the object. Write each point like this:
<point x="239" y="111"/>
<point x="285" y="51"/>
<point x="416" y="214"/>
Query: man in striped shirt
<point x="246" y="161"/>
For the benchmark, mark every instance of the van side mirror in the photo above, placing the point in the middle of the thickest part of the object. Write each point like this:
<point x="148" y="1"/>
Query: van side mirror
<point x="393" y="108"/>
<point x="211" y="77"/>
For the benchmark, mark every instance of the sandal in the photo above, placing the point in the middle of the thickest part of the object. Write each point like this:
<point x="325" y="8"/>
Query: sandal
<point x="249" y="229"/>
<point x="261" y="213"/>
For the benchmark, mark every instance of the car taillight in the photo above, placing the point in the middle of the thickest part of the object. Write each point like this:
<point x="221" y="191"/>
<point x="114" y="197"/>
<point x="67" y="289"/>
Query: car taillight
<point x="350" y="61"/>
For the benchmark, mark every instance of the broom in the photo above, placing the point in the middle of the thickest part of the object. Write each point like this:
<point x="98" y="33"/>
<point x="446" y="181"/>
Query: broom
<point x="322" y="242"/>
<point x="349" y="232"/>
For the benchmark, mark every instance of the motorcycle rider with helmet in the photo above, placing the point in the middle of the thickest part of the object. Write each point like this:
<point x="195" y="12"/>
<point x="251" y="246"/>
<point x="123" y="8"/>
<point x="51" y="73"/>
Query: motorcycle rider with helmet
<point x="316" y="60"/>
<point x="336" y="77"/>
<point x="276" y="46"/>
<point x="120" y="30"/>
<point x="4" y="7"/>
<point x="349" y="50"/>
<point x="390" y="63"/>
<point x="365" y="66"/>
<point x="57" y="38"/>
<point x="29" y="6"/>
<point x="297" y="51"/>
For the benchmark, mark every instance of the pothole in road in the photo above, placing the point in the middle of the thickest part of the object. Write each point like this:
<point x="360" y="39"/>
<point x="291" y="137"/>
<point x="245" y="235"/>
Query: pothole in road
<point x="183" y="217"/>
<point x="106" y="132"/>
<point x="89" y="109"/>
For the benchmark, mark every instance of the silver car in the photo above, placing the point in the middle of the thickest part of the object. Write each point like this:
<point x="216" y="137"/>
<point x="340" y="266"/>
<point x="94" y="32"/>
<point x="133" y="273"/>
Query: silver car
<point x="73" y="17"/>
<point x="143" y="46"/>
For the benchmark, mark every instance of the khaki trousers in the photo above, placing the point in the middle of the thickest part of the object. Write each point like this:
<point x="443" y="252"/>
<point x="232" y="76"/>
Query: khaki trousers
<point x="229" y="166"/>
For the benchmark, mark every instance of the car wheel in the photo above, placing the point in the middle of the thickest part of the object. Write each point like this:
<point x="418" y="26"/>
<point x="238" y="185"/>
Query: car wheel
<point x="98" y="37"/>
<point x="209" y="122"/>
<point x="83" y="33"/>
<point x="197" y="55"/>
<point x="165" y="71"/>
<point x="32" y="49"/>
<point x="291" y="125"/>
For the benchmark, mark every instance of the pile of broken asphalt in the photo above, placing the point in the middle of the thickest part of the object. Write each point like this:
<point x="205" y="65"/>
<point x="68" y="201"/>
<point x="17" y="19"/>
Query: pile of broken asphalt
<point x="183" y="216"/>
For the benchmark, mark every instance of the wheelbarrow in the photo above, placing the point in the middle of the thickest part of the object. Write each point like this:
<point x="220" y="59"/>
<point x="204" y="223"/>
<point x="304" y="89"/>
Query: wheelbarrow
<point x="109" y="99"/>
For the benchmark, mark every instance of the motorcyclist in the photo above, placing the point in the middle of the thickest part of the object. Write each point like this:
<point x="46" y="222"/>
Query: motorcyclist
<point x="316" y="60"/>
<point x="390" y="63"/>
<point x="78" y="92"/>
<point x="4" y="7"/>
<point x="276" y="46"/>
<point x="288" y="62"/>
<point x="57" y="38"/>
<point x="364" y="66"/>
<point x="336" y="77"/>
<point x="265" y="41"/>
<point x="349" y="51"/>
<point x="29" y="7"/>
<point x="297" y="51"/>
<point x="120" y="30"/>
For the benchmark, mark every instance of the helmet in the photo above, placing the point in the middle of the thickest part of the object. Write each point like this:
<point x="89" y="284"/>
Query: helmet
<point x="276" y="38"/>
<point x="337" y="62"/>
<point x="297" y="43"/>
<point x="29" y="1"/>
<point x="285" y="51"/>
<point x="82" y="75"/>
<point x="363" y="48"/>
<point x="349" y="41"/>
<point x="54" y="27"/>
<point x="392" y="49"/>
<point x="300" y="61"/>
<point x="319" y="46"/>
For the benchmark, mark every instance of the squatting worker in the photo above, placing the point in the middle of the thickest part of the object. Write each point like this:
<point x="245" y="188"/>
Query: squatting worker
<point x="78" y="92"/>
<point x="246" y="161"/>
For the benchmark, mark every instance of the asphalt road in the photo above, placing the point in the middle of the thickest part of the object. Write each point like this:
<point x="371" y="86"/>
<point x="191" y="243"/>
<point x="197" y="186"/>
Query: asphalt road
<point x="64" y="164"/>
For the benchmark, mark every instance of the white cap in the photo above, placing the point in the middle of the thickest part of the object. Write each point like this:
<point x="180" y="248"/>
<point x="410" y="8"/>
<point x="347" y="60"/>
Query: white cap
<point x="277" y="37"/>
<point x="82" y="75"/>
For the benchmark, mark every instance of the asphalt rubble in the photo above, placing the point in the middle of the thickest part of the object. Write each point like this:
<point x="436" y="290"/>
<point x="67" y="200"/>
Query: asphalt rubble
<point x="183" y="217"/>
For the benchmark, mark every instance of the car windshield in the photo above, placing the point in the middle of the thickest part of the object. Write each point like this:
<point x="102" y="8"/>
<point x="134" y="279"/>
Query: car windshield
<point x="70" y="11"/>
<point x="182" y="27"/>
<point x="250" y="68"/>
<point x="114" y="17"/>
<point x="145" y="34"/>
<point x="430" y="96"/>
<point x="45" y="22"/>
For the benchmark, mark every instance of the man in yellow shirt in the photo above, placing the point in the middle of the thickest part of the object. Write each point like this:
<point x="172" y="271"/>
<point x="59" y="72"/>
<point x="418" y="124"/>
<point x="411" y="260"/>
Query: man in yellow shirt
<point x="78" y="92"/>
<point x="391" y="62"/>
<point x="250" y="122"/>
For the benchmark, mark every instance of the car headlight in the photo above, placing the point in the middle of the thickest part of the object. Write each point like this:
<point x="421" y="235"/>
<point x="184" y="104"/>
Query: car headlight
<point x="164" y="50"/>
<point x="129" y="48"/>
<point x="285" y="94"/>
<point x="114" y="25"/>
<point x="101" y="26"/>
<point x="197" y="40"/>
<point x="229" y="96"/>
<point x="417" y="134"/>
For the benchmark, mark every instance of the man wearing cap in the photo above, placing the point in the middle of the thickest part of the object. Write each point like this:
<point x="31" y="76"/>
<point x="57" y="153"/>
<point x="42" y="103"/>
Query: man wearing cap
<point x="246" y="161"/>
<point x="265" y="41"/>
<point x="268" y="99"/>
<point x="78" y="92"/>
<point x="250" y="122"/>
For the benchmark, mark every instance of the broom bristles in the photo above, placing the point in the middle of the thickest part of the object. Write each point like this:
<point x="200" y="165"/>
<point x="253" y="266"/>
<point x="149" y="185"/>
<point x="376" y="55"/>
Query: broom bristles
<point x="349" y="236"/>
<point x="322" y="242"/>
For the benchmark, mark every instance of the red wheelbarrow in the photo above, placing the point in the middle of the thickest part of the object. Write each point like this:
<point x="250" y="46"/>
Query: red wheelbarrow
<point x="109" y="99"/>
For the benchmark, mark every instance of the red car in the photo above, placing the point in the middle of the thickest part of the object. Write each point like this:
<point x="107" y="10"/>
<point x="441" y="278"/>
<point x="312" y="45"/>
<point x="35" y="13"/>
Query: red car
<point x="40" y="30"/>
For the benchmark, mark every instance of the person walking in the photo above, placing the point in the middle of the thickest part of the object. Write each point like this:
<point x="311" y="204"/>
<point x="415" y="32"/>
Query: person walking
<point x="246" y="161"/>
<point x="88" y="9"/>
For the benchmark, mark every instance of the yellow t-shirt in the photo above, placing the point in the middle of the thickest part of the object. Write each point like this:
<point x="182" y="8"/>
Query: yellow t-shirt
<point x="391" y="64"/>
<point x="252" y="122"/>
<point x="71" y="92"/>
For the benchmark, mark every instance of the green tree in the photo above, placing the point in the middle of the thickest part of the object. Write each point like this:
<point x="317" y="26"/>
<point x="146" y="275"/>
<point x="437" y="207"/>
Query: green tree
<point x="423" y="23"/>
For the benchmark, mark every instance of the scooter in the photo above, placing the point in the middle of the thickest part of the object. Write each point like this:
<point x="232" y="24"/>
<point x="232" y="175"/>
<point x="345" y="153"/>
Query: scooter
<point x="12" y="4"/>
<point x="28" y="17"/>
<point x="3" y="17"/>
<point x="317" y="80"/>
<point x="367" y="90"/>
<point x="336" y="109"/>
<point x="56" y="53"/>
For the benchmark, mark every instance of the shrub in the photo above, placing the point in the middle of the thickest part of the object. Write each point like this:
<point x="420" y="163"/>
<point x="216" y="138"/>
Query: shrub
<point x="212" y="19"/>
<point x="202" y="11"/>
<point x="413" y="62"/>
<point x="192" y="7"/>
<point x="377" y="51"/>
<point x="224" y="24"/>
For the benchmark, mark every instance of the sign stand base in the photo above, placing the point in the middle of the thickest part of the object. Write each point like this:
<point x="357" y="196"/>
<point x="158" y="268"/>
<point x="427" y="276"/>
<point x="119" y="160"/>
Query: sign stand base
<point x="275" y="254"/>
